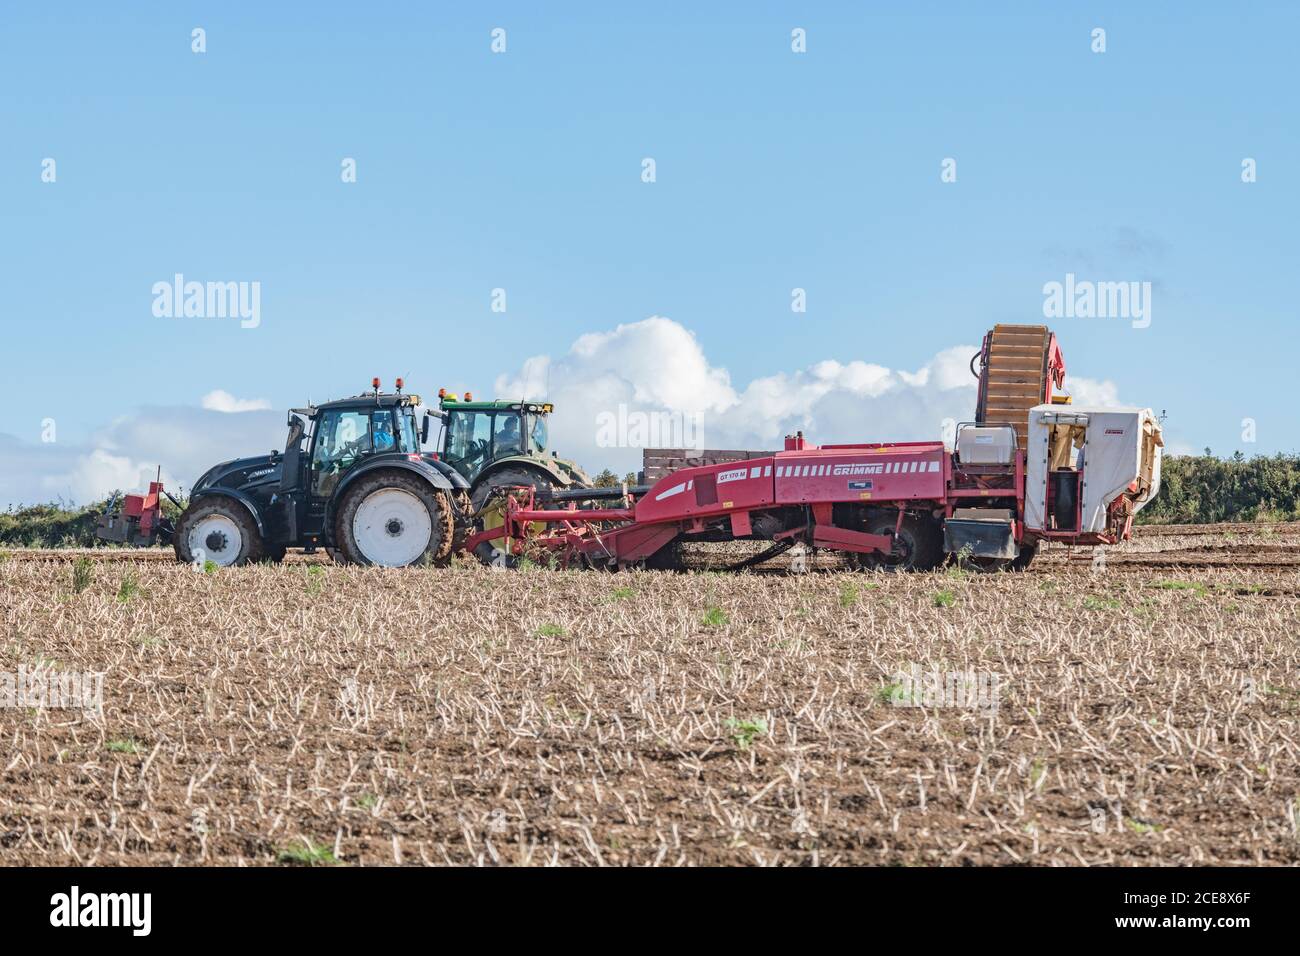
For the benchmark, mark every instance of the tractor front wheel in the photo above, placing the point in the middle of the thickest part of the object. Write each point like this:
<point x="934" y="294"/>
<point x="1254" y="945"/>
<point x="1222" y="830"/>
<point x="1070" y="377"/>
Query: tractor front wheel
<point x="392" y="520"/>
<point x="219" y="530"/>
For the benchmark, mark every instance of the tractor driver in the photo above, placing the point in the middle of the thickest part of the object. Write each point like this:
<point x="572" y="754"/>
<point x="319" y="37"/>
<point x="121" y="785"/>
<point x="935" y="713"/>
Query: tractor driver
<point x="382" y="433"/>
<point x="507" y="441"/>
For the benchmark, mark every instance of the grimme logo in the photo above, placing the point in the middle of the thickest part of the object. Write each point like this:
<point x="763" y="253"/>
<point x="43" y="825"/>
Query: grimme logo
<point x="208" y="300"/>
<point x="1098" y="300"/>
<point x="838" y="470"/>
<point x="103" y="909"/>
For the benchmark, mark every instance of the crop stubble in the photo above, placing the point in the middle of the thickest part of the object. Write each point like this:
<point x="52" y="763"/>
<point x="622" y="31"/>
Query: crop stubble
<point x="1147" y="713"/>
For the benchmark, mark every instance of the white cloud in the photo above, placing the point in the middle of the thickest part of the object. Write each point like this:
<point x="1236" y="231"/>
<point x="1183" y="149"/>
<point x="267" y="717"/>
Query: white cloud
<point x="219" y="401"/>
<point x="125" y="455"/>
<point x="1090" y="391"/>
<point x="657" y="366"/>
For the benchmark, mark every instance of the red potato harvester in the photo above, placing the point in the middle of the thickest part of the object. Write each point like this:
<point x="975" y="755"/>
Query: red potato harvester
<point x="1030" y="468"/>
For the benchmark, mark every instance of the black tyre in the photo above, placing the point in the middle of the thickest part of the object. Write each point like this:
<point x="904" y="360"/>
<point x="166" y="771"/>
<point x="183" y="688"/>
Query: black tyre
<point x="983" y="565"/>
<point x="463" y="521"/>
<point x="393" y="519"/>
<point x="509" y="477"/>
<point x="667" y="558"/>
<point x="217" y="529"/>
<point x="1026" y="555"/>
<point x="918" y="546"/>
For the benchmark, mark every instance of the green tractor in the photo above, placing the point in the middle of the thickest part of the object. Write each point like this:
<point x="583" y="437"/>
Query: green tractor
<point x="499" y="443"/>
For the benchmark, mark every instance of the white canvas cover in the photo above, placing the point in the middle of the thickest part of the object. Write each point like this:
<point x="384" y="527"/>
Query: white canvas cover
<point x="1111" y="454"/>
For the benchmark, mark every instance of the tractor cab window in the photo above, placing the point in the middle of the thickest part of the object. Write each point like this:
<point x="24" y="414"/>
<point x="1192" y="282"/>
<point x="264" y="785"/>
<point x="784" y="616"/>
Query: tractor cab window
<point x="409" y="433"/>
<point x="538" y="435"/>
<point x="382" y="435"/>
<point x="342" y="437"/>
<point x="469" y="441"/>
<point x="506" y="438"/>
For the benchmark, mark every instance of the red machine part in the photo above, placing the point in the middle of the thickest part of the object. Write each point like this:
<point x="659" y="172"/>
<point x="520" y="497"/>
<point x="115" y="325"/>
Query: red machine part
<point x="145" y="508"/>
<point x="905" y="475"/>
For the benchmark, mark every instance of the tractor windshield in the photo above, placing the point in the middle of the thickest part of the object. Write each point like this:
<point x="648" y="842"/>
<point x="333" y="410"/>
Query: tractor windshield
<point x="539" y="434"/>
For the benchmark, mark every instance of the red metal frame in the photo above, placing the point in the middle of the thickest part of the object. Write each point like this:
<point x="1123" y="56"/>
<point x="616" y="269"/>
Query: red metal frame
<point x="804" y="480"/>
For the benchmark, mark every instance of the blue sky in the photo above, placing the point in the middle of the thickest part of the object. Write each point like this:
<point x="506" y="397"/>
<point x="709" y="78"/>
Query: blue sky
<point x="522" y="171"/>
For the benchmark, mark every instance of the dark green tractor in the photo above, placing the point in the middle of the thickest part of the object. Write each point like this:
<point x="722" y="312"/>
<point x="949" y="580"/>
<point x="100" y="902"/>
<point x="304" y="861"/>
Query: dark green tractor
<point x="352" y="480"/>
<point x="498" y="443"/>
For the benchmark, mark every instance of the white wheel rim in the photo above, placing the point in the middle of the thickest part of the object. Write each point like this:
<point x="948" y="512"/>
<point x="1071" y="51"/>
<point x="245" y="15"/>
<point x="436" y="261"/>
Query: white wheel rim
<point x="392" y="527"/>
<point x="218" y="539"/>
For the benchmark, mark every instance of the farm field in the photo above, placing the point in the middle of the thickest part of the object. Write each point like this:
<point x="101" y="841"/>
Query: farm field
<point x="1145" y="710"/>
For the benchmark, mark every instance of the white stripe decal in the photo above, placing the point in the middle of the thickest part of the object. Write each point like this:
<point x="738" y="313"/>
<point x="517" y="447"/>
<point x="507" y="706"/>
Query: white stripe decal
<point x="767" y="471"/>
<point x="755" y="472"/>
<point x="674" y="490"/>
<point x="934" y="466"/>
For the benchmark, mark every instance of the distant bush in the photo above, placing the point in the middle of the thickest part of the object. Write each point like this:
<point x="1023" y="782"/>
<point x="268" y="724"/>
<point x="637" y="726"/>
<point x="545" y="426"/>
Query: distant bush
<point x="607" y="479"/>
<point x="1201" y="489"/>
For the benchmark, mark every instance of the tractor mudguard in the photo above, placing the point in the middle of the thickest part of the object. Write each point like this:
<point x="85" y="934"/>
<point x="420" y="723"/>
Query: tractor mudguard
<point x="547" y="465"/>
<point x="220" y="492"/>
<point x="457" y="480"/>
<point x="400" y="462"/>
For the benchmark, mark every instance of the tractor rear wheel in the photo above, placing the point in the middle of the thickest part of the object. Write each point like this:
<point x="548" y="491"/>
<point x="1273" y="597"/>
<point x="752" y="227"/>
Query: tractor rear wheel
<point x="506" y="478"/>
<point x="393" y="519"/>
<point x="918" y="545"/>
<point x="463" y="520"/>
<point x="219" y="530"/>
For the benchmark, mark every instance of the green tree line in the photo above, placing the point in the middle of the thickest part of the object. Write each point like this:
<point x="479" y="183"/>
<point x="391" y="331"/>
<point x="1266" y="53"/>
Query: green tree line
<point x="1203" y="489"/>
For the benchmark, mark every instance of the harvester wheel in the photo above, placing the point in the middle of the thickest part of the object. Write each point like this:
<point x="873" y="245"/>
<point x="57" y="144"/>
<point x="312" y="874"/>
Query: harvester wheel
<point x="394" y="519"/>
<point x="983" y="565"/>
<point x="219" y="530"/>
<point x="1027" y="552"/>
<point x="918" y="546"/>
<point x="667" y="558"/>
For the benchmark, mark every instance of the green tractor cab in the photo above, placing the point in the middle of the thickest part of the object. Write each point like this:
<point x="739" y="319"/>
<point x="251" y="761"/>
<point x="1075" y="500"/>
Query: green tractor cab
<point x="499" y="443"/>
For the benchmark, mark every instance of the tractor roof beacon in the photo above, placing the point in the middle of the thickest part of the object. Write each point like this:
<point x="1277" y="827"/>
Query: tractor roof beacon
<point x="352" y="479"/>
<point x="494" y="444"/>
